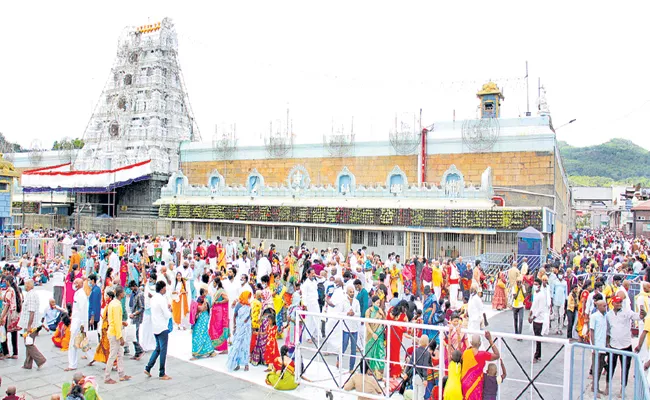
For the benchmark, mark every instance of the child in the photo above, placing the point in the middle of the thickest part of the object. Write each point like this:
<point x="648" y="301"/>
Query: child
<point x="11" y="394"/>
<point x="452" y="386"/>
<point x="491" y="382"/>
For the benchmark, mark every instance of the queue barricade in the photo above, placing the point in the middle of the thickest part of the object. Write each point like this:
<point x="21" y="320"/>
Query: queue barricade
<point x="14" y="248"/>
<point x="584" y="360"/>
<point x="316" y="366"/>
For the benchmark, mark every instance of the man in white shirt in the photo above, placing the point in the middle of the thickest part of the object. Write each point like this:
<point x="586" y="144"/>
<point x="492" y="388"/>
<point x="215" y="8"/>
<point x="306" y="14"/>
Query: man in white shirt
<point x="113" y="261"/>
<point x="538" y="313"/>
<point x="232" y="287"/>
<point x="29" y="320"/>
<point x="474" y="310"/>
<point x="263" y="268"/>
<point x="160" y="316"/>
<point x="619" y="334"/>
<point x="333" y="303"/>
<point x="309" y="290"/>
<point x="350" y="307"/>
<point x="79" y="318"/>
<point x="243" y="264"/>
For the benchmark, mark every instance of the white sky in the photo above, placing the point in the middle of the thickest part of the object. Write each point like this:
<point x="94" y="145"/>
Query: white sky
<point x="244" y="62"/>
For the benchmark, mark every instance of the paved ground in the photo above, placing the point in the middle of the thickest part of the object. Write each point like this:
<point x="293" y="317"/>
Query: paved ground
<point x="207" y="379"/>
<point x="189" y="381"/>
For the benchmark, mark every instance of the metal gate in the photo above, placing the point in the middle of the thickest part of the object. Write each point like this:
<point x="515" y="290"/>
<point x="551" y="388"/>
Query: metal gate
<point x="320" y="359"/>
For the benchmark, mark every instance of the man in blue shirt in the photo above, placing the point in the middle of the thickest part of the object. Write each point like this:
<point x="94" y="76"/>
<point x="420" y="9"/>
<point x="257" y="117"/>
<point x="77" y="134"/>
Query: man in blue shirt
<point x="94" y="303"/>
<point x="362" y="296"/>
<point x="598" y="337"/>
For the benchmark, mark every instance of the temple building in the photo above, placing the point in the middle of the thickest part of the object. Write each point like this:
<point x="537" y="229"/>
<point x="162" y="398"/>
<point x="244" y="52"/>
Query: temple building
<point x="452" y="187"/>
<point x="473" y="187"/>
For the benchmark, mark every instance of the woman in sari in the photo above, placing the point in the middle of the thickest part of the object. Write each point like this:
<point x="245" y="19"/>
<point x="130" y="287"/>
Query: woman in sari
<point x="108" y="282"/>
<point x="499" y="300"/>
<point x="395" y="279"/>
<point x="474" y="361"/>
<point x="292" y="315"/>
<point x="263" y="339"/>
<point x="430" y="308"/>
<point x="61" y="336"/>
<point x="180" y="306"/>
<point x="456" y="340"/>
<point x="375" y="335"/>
<point x="241" y="335"/>
<point x="582" y="326"/>
<point x="219" y="323"/>
<point x="397" y="313"/>
<point x="278" y="305"/>
<point x="408" y="275"/>
<point x="69" y="278"/>
<point x="124" y="272"/>
<point x="271" y="352"/>
<point x="202" y="345"/>
<point x="104" y="347"/>
<point x="282" y="377"/>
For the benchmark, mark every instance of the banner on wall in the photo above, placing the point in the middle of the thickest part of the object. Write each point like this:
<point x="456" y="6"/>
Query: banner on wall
<point x="62" y="178"/>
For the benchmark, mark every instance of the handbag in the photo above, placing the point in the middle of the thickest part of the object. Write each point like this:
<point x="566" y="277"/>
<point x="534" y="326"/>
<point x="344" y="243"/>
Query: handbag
<point x="170" y="325"/>
<point x="129" y="333"/>
<point x="81" y="341"/>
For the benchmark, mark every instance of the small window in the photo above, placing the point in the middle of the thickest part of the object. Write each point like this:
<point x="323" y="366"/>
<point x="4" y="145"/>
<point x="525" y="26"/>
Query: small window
<point x="4" y="187"/>
<point x="357" y="237"/>
<point x="488" y="106"/>
<point x="400" y="238"/>
<point x="388" y="238"/>
<point x="373" y="239"/>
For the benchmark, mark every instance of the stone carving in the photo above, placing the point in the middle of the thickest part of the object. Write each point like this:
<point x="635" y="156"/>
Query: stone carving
<point x="215" y="181"/>
<point x="396" y="181"/>
<point x="453" y="182"/>
<point x="298" y="178"/>
<point x="255" y="182"/>
<point x="345" y="181"/>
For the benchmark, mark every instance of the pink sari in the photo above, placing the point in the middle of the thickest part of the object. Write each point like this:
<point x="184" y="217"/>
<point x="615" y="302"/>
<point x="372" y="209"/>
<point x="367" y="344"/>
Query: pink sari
<point x="219" y="323"/>
<point x="472" y="374"/>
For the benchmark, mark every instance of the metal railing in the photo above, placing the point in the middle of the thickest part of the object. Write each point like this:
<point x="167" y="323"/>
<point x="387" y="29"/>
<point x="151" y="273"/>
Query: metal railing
<point x="316" y="366"/>
<point x="15" y="248"/>
<point x="495" y="262"/>
<point x="580" y="353"/>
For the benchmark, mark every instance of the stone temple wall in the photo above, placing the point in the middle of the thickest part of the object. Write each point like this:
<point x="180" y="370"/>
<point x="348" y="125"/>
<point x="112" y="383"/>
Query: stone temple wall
<point x="532" y="170"/>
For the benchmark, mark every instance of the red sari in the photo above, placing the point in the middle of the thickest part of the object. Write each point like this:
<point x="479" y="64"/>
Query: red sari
<point x="271" y="352"/>
<point x="396" y="333"/>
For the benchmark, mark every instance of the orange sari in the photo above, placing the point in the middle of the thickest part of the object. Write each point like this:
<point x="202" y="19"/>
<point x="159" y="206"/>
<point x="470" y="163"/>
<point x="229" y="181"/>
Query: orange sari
<point x="180" y="307"/>
<point x="61" y="337"/>
<point x="583" y="320"/>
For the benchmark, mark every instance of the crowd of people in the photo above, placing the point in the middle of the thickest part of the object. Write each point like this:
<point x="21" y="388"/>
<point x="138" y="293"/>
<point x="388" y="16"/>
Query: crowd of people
<point x="128" y="292"/>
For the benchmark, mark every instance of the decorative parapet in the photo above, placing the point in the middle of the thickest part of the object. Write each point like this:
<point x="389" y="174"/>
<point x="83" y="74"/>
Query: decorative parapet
<point x="298" y="184"/>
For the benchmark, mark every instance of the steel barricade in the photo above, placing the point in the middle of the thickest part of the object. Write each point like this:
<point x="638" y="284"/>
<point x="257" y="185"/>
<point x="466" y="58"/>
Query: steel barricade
<point x="596" y="357"/>
<point x="15" y="248"/>
<point x="316" y="367"/>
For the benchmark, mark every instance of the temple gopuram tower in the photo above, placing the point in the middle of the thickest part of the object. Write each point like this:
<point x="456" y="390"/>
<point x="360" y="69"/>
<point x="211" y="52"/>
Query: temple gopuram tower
<point x="143" y="111"/>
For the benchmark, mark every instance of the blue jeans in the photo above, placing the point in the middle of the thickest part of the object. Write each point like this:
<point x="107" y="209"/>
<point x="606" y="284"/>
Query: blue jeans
<point x="161" y="349"/>
<point x="350" y="337"/>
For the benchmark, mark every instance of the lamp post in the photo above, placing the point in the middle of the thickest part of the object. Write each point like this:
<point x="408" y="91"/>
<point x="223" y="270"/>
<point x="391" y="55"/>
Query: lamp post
<point x="563" y="125"/>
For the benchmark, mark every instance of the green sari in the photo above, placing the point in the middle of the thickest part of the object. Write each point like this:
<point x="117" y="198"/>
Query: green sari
<point x="376" y="348"/>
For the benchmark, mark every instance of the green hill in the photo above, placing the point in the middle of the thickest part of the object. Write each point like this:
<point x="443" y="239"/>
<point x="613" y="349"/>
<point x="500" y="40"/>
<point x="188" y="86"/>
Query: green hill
<point x="617" y="161"/>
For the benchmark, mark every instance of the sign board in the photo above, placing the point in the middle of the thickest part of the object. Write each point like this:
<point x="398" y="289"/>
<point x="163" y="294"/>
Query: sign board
<point x="498" y="218"/>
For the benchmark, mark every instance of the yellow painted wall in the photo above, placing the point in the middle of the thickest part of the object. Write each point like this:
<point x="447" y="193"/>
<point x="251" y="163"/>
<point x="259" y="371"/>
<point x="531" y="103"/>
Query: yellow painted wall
<point x="508" y="168"/>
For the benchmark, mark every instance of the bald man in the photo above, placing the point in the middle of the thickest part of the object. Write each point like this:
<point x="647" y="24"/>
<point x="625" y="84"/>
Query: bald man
<point x="79" y="318"/>
<point x="29" y="318"/>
